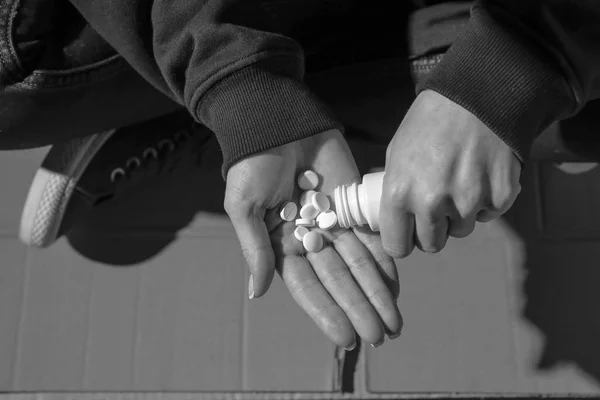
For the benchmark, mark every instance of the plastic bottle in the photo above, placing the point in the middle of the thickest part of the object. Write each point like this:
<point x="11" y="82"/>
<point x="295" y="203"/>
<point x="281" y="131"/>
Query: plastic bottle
<point x="357" y="204"/>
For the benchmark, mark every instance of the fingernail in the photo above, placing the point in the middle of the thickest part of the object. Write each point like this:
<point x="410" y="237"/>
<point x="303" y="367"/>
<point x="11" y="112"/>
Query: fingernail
<point x="350" y="348"/>
<point x="396" y="254"/>
<point x="395" y="335"/>
<point x="251" y="288"/>
<point x="377" y="344"/>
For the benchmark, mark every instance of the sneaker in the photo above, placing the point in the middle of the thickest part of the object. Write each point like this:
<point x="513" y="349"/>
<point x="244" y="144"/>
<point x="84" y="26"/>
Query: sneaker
<point x="83" y="173"/>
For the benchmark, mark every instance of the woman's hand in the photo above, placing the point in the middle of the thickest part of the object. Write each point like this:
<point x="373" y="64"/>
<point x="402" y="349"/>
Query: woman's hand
<point x="351" y="284"/>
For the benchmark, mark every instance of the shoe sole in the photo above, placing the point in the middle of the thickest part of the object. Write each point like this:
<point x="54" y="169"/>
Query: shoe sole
<point x="52" y="187"/>
<point x="576" y="168"/>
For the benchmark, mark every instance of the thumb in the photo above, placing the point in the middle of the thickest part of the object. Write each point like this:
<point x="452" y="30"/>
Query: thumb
<point x="249" y="224"/>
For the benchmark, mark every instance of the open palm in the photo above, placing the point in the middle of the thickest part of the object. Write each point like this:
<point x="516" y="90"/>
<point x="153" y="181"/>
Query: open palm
<point x="349" y="286"/>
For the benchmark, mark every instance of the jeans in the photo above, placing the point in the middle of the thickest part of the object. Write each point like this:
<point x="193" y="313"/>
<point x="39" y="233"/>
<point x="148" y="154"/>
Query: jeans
<point x="52" y="93"/>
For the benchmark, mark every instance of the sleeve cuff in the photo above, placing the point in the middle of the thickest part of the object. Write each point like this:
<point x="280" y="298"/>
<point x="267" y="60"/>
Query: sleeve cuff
<point x="260" y="107"/>
<point x="495" y="75"/>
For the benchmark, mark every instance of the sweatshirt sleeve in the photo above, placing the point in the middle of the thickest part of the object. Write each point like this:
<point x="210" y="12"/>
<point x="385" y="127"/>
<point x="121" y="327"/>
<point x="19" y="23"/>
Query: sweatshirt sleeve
<point x="222" y="60"/>
<point x="523" y="64"/>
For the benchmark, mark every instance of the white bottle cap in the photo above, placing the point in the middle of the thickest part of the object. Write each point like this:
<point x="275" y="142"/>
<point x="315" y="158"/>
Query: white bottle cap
<point x="337" y="198"/>
<point x="358" y="204"/>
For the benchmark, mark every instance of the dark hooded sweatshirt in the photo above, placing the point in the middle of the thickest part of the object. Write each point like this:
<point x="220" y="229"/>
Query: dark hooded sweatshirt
<point x="238" y="65"/>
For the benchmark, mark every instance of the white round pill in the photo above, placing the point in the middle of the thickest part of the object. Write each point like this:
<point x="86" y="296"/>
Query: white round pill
<point x="305" y="222"/>
<point x="320" y="202"/>
<point x="308" y="180"/>
<point x="288" y="211"/>
<point x="306" y="197"/>
<point x="308" y="211"/>
<point x="327" y="220"/>
<point x="312" y="241"/>
<point x="300" y="231"/>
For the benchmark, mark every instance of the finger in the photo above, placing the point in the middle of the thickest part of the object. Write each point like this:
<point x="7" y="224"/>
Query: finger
<point x="385" y="263"/>
<point x="248" y="222"/>
<point x="396" y="221"/>
<point x="337" y="280"/>
<point x="505" y="188"/>
<point x="499" y="206"/>
<point x="431" y="234"/>
<point x="397" y="230"/>
<point x="311" y="296"/>
<point x="462" y="227"/>
<point x="366" y="273"/>
<point x="488" y="215"/>
<point x="504" y="202"/>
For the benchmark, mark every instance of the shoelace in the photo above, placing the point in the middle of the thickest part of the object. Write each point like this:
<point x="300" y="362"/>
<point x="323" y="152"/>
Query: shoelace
<point x="160" y="156"/>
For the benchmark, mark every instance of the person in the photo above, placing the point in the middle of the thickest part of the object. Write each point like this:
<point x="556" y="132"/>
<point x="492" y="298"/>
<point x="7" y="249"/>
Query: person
<point x="237" y="68"/>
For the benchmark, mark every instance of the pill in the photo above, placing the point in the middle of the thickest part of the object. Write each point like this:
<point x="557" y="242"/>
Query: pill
<point x="308" y="180"/>
<point x="320" y="202"/>
<point x="312" y="241"/>
<point x="306" y="197"/>
<point x="300" y="231"/>
<point x="308" y="211"/>
<point x="327" y="220"/>
<point x="288" y="211"/>
<point x="305" y="222"/>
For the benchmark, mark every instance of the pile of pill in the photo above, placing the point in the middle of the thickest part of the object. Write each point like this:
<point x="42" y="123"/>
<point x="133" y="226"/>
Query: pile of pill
<point x="314" y="211"/>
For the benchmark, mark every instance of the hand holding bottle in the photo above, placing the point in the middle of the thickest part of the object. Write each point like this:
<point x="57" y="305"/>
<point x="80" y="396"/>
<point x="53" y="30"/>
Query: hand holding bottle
<point x="444" y="171"/>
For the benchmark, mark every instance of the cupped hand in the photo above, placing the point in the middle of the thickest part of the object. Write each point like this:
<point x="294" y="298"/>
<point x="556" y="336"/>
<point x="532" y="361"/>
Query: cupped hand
<point x="351" y="284"/>
<point x="445" y="170"/>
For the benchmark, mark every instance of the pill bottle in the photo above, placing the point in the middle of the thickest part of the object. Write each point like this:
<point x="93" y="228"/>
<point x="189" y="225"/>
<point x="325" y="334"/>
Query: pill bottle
<point x="357" y="204"/>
